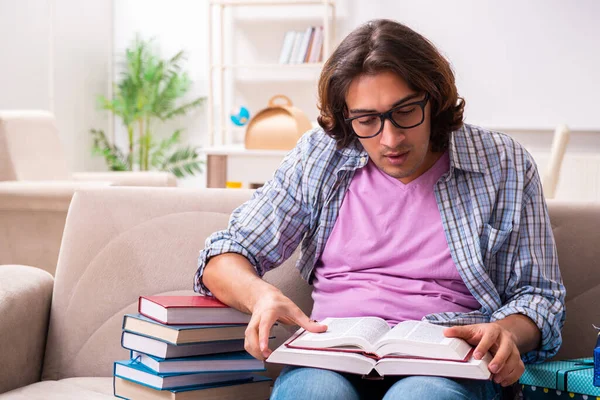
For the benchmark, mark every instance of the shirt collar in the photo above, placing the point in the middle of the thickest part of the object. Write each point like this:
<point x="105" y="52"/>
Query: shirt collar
<point x="464" y="152"/>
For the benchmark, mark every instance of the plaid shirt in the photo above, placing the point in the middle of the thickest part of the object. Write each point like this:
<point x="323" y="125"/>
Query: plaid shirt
<point x="492" y="208"/>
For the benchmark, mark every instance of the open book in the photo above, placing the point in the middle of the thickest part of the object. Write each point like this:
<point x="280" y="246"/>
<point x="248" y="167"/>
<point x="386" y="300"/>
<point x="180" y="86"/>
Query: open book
<point x="360" y="345"/>
<point x="373" y="337"/>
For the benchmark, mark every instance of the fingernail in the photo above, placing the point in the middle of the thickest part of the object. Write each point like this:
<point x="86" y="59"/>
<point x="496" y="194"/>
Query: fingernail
<point x="478" y="355"/>
<point x="493" y="368"/>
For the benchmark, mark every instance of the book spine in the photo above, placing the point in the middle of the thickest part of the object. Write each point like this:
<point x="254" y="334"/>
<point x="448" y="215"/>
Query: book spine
<point x="310" y="44"/>
<point x="114" y="385"/>
<point x="303" y="46"/>
<point x="286" y="48"/>
<point x="296" y="48"/>
<point x="140" y="304"/>
<point x="317" y="45"/>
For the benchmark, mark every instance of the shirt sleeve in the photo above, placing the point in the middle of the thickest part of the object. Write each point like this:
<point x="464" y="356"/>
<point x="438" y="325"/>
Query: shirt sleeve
<point x="269" y="227"/>
<point x="535" y="287"/>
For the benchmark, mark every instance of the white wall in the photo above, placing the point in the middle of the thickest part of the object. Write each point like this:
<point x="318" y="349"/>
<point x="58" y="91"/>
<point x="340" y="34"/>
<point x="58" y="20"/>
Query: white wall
<point x="519" y="64"/>
<point x="56" y="56"/>
<point x="24" y="48"/>
<point x="82" y="58"/>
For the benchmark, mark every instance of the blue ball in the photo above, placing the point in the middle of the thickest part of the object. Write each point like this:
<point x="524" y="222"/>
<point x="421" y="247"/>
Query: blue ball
<point x="241" y="117"/>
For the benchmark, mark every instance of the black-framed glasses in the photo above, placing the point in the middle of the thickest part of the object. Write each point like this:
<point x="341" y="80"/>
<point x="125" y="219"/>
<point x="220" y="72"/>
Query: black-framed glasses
<point x="404" y="116"/>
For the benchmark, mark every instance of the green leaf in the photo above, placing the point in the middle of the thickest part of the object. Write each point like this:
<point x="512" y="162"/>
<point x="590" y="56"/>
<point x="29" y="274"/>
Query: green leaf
<point x="158" y="151"/>
<point x="183" y="161"/>
<point x="115" y="160"/>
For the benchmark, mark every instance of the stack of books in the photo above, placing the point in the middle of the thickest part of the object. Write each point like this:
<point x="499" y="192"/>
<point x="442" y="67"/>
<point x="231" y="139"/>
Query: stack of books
<point x="184" y="347"/>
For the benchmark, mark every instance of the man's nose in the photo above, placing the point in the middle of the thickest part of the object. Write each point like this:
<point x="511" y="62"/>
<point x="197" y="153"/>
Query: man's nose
<point x="390" y="135"/>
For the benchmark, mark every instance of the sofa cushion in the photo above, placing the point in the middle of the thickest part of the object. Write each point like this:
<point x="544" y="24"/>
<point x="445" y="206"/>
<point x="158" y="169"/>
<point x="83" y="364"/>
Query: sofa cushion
<point x="64" y="389"/>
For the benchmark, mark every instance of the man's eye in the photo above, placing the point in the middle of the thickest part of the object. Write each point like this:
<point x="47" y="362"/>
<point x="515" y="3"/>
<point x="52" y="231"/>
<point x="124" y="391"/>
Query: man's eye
<point x="367" y="120"/>
<point x="405" y="111"/>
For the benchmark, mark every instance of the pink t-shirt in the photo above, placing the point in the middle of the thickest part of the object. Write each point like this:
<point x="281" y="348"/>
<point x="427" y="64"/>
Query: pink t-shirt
<point x="387" y="255"/>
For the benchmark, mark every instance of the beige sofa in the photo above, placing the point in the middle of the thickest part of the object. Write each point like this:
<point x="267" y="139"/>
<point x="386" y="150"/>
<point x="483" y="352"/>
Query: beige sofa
<point x="59" y="336"/>
<point x="36" y="188"/>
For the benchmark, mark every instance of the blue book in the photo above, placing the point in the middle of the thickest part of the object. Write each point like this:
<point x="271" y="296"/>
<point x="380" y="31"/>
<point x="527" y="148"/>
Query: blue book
<point x="137" y="372"/>
<point x="162" y="349"/>
<point x="181" y="334"/>
<point x="258" y="388"/>
<point x="240" y="361"/>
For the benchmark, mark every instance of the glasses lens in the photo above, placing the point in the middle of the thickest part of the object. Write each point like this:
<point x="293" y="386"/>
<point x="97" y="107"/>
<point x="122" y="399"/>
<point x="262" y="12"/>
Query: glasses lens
<point x="408" y="116"/>
<point x="368" y="125"/>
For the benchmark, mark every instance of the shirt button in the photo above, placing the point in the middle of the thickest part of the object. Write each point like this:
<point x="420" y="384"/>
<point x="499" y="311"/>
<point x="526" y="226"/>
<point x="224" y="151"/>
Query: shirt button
<point x="363" y="159"/>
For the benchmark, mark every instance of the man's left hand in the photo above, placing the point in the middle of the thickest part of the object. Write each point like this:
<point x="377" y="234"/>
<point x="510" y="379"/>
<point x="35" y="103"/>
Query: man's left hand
<point x="506" y="365"/>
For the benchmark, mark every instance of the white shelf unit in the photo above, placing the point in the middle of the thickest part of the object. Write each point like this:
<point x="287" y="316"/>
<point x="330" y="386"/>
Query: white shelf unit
<point x="226" y="159"/>
<point x="218" y="128"/>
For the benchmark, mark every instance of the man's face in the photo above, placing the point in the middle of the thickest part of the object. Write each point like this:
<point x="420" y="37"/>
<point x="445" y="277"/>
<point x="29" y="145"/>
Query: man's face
<point x="404" y="154"/>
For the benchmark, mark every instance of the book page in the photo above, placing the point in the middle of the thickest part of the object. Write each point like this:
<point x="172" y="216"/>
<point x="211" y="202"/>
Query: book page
<point x="418" y="331"/>
<point x="369" y="329"/>
<point x="422" y="339"/>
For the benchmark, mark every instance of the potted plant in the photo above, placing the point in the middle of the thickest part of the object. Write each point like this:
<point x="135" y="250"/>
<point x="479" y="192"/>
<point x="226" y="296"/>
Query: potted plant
<point x="149" y="91"/>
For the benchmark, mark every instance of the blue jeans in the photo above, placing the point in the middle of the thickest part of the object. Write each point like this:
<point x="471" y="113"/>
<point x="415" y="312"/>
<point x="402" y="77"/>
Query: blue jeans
<point x="320" y="384"/>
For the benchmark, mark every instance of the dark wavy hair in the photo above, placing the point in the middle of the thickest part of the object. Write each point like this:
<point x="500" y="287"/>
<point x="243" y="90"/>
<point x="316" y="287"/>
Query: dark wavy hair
<point x="384" y="45"/>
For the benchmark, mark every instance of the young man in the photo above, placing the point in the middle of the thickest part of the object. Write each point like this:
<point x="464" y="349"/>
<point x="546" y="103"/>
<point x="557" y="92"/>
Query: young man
<point x="404" y="212"/>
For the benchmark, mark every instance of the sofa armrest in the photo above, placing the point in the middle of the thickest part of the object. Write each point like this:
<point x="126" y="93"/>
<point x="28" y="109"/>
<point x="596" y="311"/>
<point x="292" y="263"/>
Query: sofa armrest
<point x="129" y="178"/>
<point x="25" y="297"/>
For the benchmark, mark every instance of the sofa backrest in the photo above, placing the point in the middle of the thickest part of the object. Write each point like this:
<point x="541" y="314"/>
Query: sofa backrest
<point x="577" y="234"/>
<point x="120" y="243"/>
<point x="30" y="147"/>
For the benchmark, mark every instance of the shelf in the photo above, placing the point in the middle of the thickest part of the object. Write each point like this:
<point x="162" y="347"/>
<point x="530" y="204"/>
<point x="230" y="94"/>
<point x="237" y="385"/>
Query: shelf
<point x="267" y="66"/>
<point x="269" y="2"/>
<point x="239" y="149"/>
<point x="241" y="77"/>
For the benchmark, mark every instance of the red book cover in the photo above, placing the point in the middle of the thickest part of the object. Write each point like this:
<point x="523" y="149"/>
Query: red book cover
<point x="190" y="310"/>
<point x="185" y="301"/>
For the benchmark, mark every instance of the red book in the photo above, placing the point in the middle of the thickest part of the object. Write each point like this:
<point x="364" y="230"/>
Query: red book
<point x="190" y="310"/>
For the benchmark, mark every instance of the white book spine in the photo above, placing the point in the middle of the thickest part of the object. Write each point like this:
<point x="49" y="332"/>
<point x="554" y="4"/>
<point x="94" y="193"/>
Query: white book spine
<point x="296" y="47"/>
<point x="303" y="46"/>
<point x="316" y="47"/>
<point x="286" y="48"/>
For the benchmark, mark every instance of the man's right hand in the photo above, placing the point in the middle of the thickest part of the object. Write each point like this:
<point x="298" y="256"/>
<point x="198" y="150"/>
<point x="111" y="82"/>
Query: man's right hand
<point x="272" y="306"/>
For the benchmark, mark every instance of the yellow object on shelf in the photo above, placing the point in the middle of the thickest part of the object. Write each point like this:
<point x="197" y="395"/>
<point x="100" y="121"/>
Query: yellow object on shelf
<point x="277" y="127"/>
<point x="233" y="185"/>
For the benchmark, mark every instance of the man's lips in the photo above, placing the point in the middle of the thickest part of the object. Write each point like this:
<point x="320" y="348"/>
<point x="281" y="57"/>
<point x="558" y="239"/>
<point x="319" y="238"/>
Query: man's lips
<point x="396" y="158"/>
<point x="396" y="153"/>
